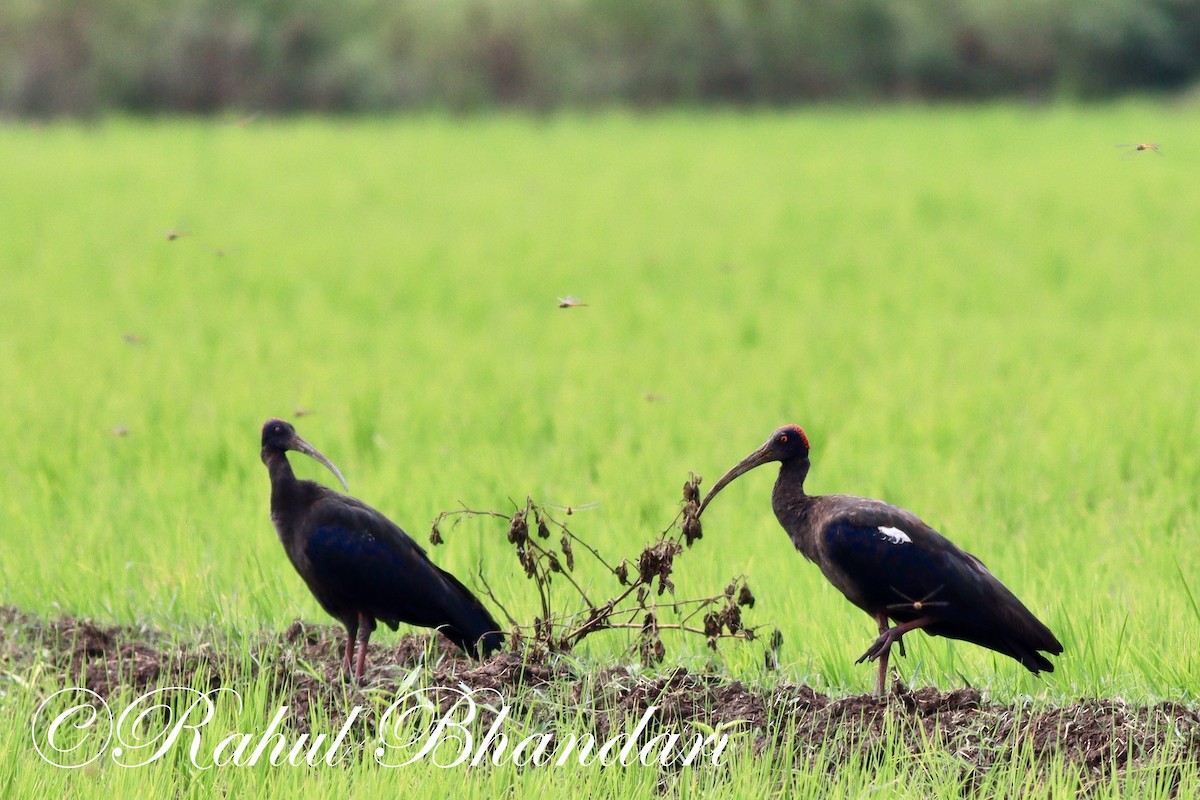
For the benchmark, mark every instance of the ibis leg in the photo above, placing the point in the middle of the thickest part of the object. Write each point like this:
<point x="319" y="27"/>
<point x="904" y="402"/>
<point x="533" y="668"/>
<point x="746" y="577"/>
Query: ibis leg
<point x="351" y="632"/>
<point x="365" y="625"/>
<point x="881" y="679"/>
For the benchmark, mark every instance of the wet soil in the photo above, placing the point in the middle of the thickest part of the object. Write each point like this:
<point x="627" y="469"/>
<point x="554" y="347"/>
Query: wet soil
<point x="303" y="666"/>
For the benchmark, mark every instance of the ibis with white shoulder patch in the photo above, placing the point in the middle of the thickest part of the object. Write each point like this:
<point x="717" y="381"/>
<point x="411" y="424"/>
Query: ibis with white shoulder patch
<point x="893" y="566"/>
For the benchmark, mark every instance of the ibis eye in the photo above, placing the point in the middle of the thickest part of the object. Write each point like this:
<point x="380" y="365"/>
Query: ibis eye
<point x="783" y="438"/>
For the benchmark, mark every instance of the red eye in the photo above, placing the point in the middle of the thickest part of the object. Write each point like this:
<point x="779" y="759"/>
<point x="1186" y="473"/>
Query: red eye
<point x="783" y="438"/>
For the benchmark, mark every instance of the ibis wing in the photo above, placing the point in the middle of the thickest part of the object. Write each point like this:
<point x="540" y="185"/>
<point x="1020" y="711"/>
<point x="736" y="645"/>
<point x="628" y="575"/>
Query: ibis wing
<point x="364" y="562"/>
<point x="389" y="582"/>
<point x="370" y="564"/>
<point x="891" y="566"/>
<point x="890" y="561"/>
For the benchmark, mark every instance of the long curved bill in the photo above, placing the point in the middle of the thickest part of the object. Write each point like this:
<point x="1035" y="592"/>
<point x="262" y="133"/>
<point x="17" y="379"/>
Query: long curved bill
<point x="756" y="459"/>
<point x="300" y="446"/>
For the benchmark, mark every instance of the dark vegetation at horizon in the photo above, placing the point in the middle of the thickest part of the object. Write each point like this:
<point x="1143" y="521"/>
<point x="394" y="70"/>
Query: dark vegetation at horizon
<point x="63" y="57"/>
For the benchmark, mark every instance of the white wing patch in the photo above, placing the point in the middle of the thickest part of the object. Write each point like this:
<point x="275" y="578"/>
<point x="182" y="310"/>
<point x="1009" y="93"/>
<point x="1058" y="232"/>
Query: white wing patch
<point x="894" y="535"/>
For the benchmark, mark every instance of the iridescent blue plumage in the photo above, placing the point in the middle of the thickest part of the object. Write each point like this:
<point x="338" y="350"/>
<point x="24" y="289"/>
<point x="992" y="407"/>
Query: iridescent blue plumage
<point x="361" y="566"/>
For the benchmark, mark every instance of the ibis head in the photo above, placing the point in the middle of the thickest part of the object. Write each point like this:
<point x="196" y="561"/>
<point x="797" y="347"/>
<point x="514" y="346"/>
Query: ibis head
<point x="280" y="436"/>
<point x="786" y="444"/>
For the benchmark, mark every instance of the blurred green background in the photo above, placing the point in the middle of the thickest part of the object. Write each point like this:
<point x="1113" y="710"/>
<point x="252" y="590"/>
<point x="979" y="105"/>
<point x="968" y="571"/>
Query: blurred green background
<point x="80" y="58"/>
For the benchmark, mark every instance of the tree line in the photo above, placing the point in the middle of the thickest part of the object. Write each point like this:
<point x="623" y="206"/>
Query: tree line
<point x="81" y="57"/>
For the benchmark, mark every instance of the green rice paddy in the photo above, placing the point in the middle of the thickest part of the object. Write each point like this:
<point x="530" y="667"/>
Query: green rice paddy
<point x="985" y="315"/>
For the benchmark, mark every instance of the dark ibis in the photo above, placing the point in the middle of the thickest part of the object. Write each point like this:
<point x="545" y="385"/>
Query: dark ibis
<point x="889" y="563"/>
<point x="360" y="565"/>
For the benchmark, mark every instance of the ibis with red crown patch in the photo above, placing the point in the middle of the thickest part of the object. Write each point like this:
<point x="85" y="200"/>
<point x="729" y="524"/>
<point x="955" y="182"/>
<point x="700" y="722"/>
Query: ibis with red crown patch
<point x="893" y="566"/>
<point x="359" y="564"/>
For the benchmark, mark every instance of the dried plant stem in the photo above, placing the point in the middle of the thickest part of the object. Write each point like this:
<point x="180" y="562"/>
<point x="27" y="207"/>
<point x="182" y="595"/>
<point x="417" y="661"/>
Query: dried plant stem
<point x="637" y="600"/>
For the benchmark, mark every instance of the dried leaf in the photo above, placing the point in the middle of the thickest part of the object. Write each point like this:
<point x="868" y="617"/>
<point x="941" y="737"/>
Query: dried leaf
<point x="527" y="560"/>
<point x="692" y="529"/>
<point x="565" y="544"/>
<point x="518" y="529"/>
<point x="733" y="619"/>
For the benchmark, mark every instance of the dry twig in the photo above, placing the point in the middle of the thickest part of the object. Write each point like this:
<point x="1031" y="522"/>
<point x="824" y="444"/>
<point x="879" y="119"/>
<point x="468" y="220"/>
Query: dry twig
<point x="546" y="548"/>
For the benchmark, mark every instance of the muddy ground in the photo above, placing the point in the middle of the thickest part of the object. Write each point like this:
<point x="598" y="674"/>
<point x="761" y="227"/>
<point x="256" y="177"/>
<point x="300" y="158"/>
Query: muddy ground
<point x="303" y="664"/>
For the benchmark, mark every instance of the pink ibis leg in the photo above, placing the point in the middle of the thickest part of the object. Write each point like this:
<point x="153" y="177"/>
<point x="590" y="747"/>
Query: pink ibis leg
<point x="348" y="659"/>
<point x="881" y="679"/>
<point x="365" y="624"/>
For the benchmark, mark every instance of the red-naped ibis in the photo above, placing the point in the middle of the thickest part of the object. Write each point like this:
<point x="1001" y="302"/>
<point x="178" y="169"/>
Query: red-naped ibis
<point x="890" y="564"/>
<point x="360" y="565"/>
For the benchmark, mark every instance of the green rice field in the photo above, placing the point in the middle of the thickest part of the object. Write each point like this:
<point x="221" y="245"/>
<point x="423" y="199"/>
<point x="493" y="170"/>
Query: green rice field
<point x="988" y="315"/>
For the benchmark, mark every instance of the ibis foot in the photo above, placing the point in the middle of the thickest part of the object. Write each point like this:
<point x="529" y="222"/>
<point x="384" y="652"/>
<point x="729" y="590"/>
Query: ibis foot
<point x="880" y="648"/>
